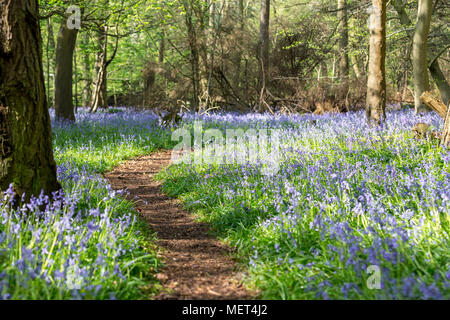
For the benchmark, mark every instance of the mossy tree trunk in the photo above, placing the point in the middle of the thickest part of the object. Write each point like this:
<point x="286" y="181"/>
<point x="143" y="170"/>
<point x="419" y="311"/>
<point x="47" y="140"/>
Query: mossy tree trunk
<point x="26" y="156"/>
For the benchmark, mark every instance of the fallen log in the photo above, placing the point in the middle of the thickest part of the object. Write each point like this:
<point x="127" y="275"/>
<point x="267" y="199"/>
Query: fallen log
<point x="445" y="140"/>
<point x="434" y="103"/>
<point x="442" y="111"/>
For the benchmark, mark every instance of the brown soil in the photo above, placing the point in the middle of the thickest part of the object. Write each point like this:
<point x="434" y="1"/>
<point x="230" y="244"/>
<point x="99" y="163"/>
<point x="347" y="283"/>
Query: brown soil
<point x="197" y="266"/>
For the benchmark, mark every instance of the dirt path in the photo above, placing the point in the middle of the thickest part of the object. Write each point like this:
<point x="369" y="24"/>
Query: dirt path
<point x="197" y="265"/>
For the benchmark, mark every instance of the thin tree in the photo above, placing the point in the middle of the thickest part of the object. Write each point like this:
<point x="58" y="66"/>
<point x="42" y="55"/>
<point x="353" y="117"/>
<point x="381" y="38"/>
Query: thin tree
<point x="240" y="45"/>
<point x="376" y="82"/>
<point x="50" y="48"/>
<point x="87" y="92"/>
<point x="67" y="38"/>
<point x="194" y="51"/>
<point x="343" y="40"/>
<point x="433" y="62"/>
<point x="264" y="44"/>
<point x="99" y="94"/>
<point x="26" y="154"/>
<point x="419" y="53"/>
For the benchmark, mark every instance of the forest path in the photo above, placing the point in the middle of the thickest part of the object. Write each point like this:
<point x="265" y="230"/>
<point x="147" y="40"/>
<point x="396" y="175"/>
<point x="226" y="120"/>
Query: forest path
<point x="197" y="265"/>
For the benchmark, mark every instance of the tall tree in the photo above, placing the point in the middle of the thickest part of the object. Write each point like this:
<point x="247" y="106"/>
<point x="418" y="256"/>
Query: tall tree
<point x="87" y="92"/>
<point x="433" y="66"/>
<point x="194" y="48"/>
<point x="240" y="44"/>
<point x="376" y="82"/>
<point x="67" y="38"/>
<point x="162" y="48"/>
<point x="99" y="94"/>
<point x="50" y="49"/>
<point x="419" y="53"/>
<point x="343" y="40"/>
<point x="115" y="11"/>
<point x="26" y="156"/>
<point x="264" y="43"/>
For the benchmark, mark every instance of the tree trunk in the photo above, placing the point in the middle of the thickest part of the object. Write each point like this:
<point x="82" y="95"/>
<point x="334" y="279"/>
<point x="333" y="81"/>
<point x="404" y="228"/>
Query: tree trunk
<point x="162" y="49"/>
<point x="238" y="55"/>
<point x="99" y="95"/>
<point x="405" y="73"/>
<point x="208" y="56"/>
<point x="87" y="77"/>
<point x="434" y="67"/>
<point x="26" y="156"/>
<point x="195" y="59"/>
<point x="402" y="15"/>
<point x="343" y="40"/>
<point x="75" y="71"/>
<point x="376" y="82"/>
<point x="356" y="69"/>
<point x="50" y="51"/>
<point x="264" y="44"/>
<point x="419" y="53"/>
<point x="440" y="80"/>
<point x="63" y="103"/>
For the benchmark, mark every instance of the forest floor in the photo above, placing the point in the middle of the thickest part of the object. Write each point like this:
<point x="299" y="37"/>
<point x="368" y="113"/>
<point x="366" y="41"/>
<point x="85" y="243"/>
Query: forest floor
<point x="197" y="265"/>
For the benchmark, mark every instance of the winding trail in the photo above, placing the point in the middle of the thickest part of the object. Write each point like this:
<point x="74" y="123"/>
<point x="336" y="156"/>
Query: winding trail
<point x="197" y="265"/>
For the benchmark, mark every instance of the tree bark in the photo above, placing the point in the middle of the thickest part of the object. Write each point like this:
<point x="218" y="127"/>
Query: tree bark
<point x="419" y="53"/>
<point x="435" y="104"/>
<point x="376" y="82"/>
<point x="356" y="69"/>
<point x="434" y="67"/>
<point x="440" y="80"/>
<point x="238" y="55"/>
<point x="63" y="103"/>
<point x="99" y="95"/>
<point x="26" y="156"/>
<point x="443" y="111"/>
<point x="402" y="15"/>
<point x="445" y="140"/>
<point x="264" y="44"/>
<point x="195" y="58"/>
<point x="343" y="40"/>
<point x="50" y="50"/>
<point x="162" y="49"/>
<point x="87" y="92"/>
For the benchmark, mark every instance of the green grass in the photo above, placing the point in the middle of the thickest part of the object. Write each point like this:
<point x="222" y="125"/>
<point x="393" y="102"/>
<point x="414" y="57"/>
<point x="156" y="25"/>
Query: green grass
<point x="346" y="197"/>
<point x="89" y="244"/>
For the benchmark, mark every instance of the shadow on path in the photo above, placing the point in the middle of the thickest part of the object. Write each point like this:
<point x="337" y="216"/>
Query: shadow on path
<point x="198" y="266"/>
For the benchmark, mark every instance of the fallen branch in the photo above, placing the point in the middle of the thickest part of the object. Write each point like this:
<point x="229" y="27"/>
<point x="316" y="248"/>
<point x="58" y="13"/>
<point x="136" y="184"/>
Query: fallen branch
<point x="434" y="103"/>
